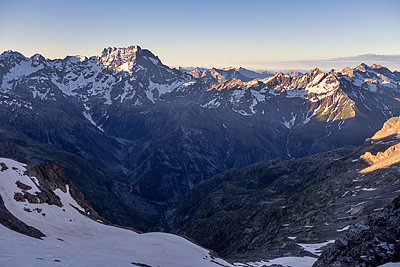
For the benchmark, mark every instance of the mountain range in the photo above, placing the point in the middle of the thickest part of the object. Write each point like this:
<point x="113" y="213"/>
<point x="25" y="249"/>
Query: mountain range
<point x="268" y="156"/>
<point x="157" y="131"/>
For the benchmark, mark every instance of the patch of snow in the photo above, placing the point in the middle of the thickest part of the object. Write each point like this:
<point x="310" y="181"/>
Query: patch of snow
<point x="22" y="70"/>
<point x="189" y="83"/>
<point x="290" y="123"/>
<point x="253" y="105"/>
<point x="236" y="95"/>
<point x="343" y="229"/>
<point x="149" y="95"/>
<point x="153" y="60"/>
<point x="357" y="80"/>
<point x="299" y="93"/>
<point x="307" y="117"/>
<point x="89" y="118"/>
<point x="213" y="103"/>
<point x="244" y="113"/>
<point x="128" y="93"/>
<point x="315" y="248"/>
<point x="163" y="88"/>
<point x="284" y="261"/>
<point x="371" y="87"/>
<point x="322" y="89"/>
<point x="260" y="97"/>
<point x="368" y="189"/>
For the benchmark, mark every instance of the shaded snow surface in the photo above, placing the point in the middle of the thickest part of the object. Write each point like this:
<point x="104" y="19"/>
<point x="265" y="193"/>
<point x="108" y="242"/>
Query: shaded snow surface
<point x="284" y="261"/>
<point x="73" y="239"/>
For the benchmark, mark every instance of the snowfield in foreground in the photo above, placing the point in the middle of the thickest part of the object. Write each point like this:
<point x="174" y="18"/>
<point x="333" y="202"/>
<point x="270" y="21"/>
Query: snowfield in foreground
<point x="73" y="239"/>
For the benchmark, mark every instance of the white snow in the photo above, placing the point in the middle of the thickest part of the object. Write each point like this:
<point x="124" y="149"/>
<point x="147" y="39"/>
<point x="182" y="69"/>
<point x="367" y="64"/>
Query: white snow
<point x="23" y="69"/>
<point x="127" y="66"/>
<point x="149" y="95"/>
<point x="315" y="248"/>
<point x="213" y="103"/>
<point x="391" y="264"/>
<point x="290" y="123"/>
<point x="189" y="83"/>
<point x="284" y="261"/>
<point x="260" y="97"/>
<point x="89" y="118"/>
<point x="368" y="189"/>
<point x="371" y="86"/>
<point x="343" y="229"/>
<point x="163" y="88"/>
<point x="76" y="240"/>
<point x="237" y="95"/>
<point x="128" y="93"/>
<point x="242" y="112"/>
<point x="153" y="60"/>
<point x="253" y="105"/>
<point x="299" y="93"/>
<point x="321" y="87"/>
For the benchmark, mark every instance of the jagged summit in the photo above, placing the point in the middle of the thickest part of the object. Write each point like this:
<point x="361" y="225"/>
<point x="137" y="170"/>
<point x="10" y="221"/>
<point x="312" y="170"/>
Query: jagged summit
<point x="362" y="67"/>
<point x="125" y="59"/>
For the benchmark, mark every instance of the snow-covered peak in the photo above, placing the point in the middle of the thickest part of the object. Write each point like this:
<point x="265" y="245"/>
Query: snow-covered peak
<point x="76" y="59"/>
<point x="36" y="60"/>
<point x="314" y="72"/>
<point x="230" y="68"/>
<point x="130" y="59"/>
<point x="362" y="67"/>
<point x="9" y="54"/>
<point x="37" y="57"/>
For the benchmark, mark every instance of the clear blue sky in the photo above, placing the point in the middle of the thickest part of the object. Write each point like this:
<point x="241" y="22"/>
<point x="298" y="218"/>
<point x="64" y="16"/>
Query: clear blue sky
<point x="254" y="34"/>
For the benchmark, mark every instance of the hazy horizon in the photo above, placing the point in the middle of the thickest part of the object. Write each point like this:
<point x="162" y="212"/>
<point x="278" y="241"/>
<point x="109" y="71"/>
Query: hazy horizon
<point x="257" y="35"/>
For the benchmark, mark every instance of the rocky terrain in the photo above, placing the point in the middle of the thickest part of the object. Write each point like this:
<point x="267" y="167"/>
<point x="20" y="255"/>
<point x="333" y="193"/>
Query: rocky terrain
<point x="150" y="133"/>
<point x="370" y="243"/>
<point x="275" y="208"/>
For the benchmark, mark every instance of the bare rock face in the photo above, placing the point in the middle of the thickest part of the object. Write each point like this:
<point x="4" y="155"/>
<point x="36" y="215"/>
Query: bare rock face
<point x="115" y="58"/>
<point x="371" y="243"/>
<point x="51" y="177"/>
<point x="3" y="166"/>
<point x="390" y="128"/>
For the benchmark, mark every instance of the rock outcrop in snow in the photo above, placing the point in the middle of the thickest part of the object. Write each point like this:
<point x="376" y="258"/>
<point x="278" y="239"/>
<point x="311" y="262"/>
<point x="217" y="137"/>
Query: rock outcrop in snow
<point x="71" y="232"/>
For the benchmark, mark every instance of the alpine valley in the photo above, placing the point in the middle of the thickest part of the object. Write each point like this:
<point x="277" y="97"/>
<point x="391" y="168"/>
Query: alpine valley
<point x="251" y="165"/>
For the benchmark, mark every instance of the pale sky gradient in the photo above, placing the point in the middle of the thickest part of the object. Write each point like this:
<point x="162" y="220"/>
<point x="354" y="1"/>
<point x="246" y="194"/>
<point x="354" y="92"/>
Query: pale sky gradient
<point x="254" y="34"/>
